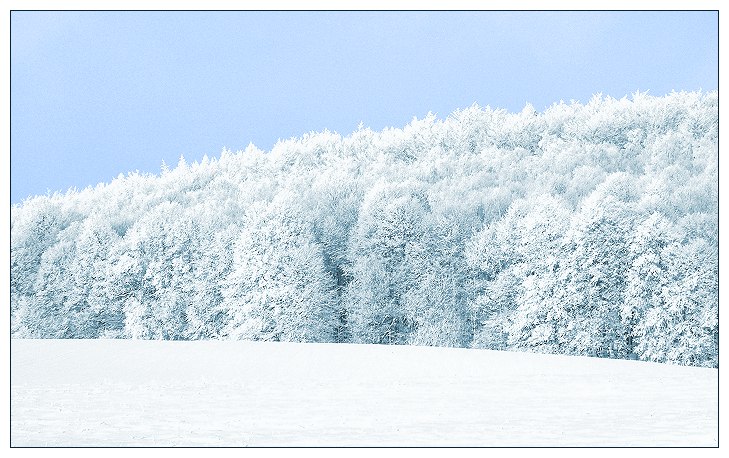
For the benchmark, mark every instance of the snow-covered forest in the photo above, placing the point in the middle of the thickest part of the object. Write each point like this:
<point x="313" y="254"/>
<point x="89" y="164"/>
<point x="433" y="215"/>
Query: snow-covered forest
<point x="586" y="229"/>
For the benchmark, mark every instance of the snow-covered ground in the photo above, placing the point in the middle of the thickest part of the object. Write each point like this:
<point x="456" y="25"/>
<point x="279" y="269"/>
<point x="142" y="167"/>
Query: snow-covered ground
<point x="162" y="393"/>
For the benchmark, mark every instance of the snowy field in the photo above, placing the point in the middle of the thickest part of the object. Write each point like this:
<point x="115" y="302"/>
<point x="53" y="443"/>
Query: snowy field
<point x="213" y="393"/>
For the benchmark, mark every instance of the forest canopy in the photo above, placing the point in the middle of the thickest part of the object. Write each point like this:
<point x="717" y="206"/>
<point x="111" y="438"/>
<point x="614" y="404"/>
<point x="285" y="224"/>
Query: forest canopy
<point x="586" y="229"/>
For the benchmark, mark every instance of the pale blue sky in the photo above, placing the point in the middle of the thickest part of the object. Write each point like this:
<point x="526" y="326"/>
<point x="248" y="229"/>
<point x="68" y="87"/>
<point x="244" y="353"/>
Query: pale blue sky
<point x="95" y="94"/>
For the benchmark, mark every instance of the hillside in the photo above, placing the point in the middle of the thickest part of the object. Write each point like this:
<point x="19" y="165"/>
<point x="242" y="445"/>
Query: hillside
<point x="587" y="229"/>
<point x="146" y="393"/>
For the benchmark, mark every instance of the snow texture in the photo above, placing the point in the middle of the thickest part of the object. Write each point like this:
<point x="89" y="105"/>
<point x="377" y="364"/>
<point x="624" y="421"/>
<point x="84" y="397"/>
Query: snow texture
<point x="227" y="393"/>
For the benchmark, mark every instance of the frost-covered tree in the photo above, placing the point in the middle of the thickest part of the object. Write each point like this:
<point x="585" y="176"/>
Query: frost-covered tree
<point x="101" y="316"/>
<point x="33" y="230"/>
<point x="647" y="275"/>
<point x="596" y="266"/>
<point x="435" y="303"/>
<point x="390" y="221"/>
<point x="671" y="301"/>
<point x="161" y="254"/>
<point x="540" y="321"/>
<point x="332" y="204"/>
<point x="515" y="259"/>
<point x="205" y="315"/>
<point x="54" y="306"/>
<point x="278" y="288"/>
<point x="70" y="298"/>
<point x="496" y="282"/>
<point x="691" y="326"/>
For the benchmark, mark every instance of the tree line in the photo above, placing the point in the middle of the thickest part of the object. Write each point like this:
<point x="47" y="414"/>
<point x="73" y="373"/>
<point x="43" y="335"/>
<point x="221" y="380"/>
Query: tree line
<point x="586" y="229"/>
